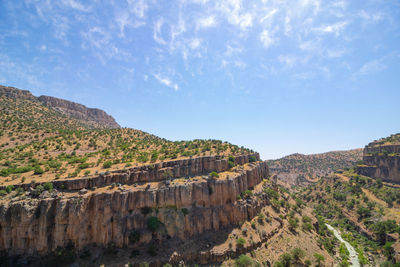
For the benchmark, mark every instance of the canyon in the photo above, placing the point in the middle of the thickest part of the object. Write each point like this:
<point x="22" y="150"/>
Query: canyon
<point x="111" y="215"/>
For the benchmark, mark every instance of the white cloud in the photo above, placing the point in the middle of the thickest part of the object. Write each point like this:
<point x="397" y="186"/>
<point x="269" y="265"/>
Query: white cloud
<point x="335" y="53"/>
<point x="371" y="67"/>
<point x="138" y="7"/>
<point x="206" y="22"/>
<point x="335" y="28"/>
<point x="166" y="81"/>
<point x="232" y="10"/>
<point x="157" y="31"/>
<point x="266" y="39"/>
<point x="125" y="19"/>
<point x="288" y="60"/>
<point x="268" y="16"/>
<point x="232" y="50"/>
<point x="97" y="37"/>
<point x="370" y="17"/>
<point x="195" y="43"/>
<point x="75" y="5"/>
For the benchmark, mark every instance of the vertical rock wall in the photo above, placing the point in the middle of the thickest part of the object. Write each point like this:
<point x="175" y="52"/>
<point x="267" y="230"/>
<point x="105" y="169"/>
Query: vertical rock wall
<point x="38" y="226"/>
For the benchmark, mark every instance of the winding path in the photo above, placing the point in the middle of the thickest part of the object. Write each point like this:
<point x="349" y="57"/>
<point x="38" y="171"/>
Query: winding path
<point x="353" y="253"/>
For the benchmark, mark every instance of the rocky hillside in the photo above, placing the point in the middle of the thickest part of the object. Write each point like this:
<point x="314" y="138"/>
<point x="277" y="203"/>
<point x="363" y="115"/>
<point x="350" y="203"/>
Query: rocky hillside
<point x="366" y="211"/>
<point x="299" y="169"/>
<point x="381" y="159"/>
<point x="40" y="144"/>
<point x="78" y="111"/>
<point x="72" y="192"/>
<point x="87" y="117"/>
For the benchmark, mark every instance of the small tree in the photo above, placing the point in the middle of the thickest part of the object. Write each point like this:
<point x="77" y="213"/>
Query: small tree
<point x="107" y="164"/>
<point x="240" y="242"/>
<point x="214" y="175"/>
<point x="153" y="223"/>
<point x="38" y="170"/>
<point x="243" y="261"/>
<point x="319" y="259"/>
<point x="293" y="224"/>
<point x="298" y="254"/>
<point x="286" y="259"/>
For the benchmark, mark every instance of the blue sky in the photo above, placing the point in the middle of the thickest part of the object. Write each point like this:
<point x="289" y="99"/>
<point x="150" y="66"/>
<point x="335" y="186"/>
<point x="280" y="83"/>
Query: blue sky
<point x="277" y="76"/>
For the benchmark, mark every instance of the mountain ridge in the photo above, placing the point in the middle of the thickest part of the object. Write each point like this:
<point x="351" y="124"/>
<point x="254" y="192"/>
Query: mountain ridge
<point x="93" y="117"/>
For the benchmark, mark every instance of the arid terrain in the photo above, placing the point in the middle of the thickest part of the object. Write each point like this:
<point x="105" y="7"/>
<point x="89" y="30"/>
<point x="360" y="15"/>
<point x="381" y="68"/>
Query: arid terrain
<point x="299" y="169"/>
<point x="76" y="188"/>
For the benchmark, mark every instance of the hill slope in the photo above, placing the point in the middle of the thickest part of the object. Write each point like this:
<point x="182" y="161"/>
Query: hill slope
<point x="298" y="169"/>
<point x="46" y="142"/>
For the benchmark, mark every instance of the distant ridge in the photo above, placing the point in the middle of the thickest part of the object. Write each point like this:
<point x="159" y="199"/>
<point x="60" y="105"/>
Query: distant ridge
<point x="94" y="117"/>
<point x="299" y="169"/>
<point x="79" y="111"/>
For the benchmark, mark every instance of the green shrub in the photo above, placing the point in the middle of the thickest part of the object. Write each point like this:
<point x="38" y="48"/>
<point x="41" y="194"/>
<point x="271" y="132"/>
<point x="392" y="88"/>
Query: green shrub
<point x="185" y="211"/>
<point x="286" y="259"/>
<point x="243" y="261"/>
<point x="153" y="223"/>
<point x="214" y="175"/>
<point x="38" y="170"/>
<point x="134" y="236"/>
<point x="319" y="259"/>
<point x="107" y="164"/>
<point x="48" y="186"/>
<point x="298" y="254"/>
<point x="9" y="188"/>
<point x="240" y="242"/>
<point x="293" y="224"/>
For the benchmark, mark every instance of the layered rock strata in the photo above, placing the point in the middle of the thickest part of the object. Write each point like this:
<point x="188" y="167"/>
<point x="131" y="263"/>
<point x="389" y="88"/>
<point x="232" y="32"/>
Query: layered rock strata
<point x="381" y="162"/>
<point x="150" y="173"/>
<point x="79" y="111"/>
<point x="104" y="217"/>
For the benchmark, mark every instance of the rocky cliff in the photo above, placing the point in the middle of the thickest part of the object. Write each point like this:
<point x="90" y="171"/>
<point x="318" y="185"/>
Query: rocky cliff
<point x="381" y="160"/>
<point x="90" y="117"/>
<point x="120" y="216"/>
<point x="11" y="92"/>
<point x="80" y="111"/>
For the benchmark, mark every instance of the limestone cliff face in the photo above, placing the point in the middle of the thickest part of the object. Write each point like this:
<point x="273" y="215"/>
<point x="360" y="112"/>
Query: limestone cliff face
<point x="80" y="111"/>
<point x="381" y="162"/>
<point x="12" y="92"/>
<point x="38" y="226"/>
<point x="150" y="173"/>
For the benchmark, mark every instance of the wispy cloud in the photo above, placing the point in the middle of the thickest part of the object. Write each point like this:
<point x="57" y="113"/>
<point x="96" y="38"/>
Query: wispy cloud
<point x="370" y="67"/>
<point x="157" y="36"/>
<point x="335" y="28"/>
<point x="206" y="22"/>
<point x="166" y="81"/>
<point x="75" y="5"/>
<point x="267" y="39"/>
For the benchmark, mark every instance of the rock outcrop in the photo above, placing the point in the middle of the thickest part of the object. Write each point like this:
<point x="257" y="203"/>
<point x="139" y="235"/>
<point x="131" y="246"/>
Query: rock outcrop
<point x="79" y="111"/>
<point x="91" y="117"/>
<point x="121" y="216"/>
<point x="149" y="173"/>
<point x="381" y="162"/>
<point x="11" y="92"/>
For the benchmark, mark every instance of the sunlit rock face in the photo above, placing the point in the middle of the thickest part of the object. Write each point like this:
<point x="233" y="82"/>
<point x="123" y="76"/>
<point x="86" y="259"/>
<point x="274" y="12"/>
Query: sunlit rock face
<point x="381" y="162"/>
<point x="110" y="216"/>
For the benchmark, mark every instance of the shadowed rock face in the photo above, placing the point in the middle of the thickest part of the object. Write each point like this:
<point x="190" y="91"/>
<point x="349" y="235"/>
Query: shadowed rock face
<point x="79" y="111"/>
<point x="38" y="226"/>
